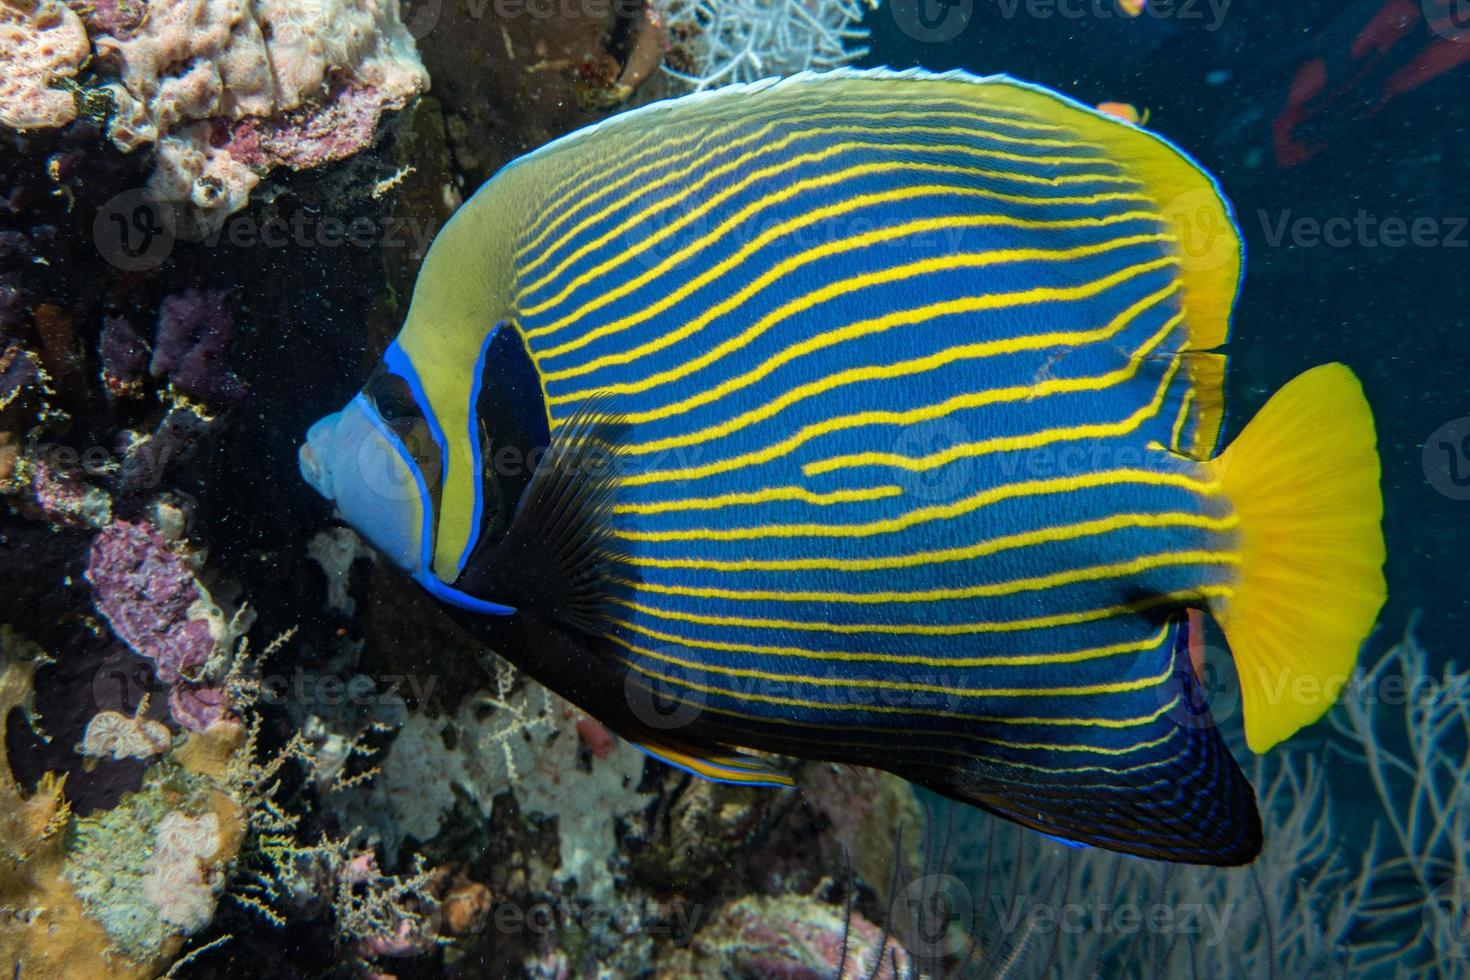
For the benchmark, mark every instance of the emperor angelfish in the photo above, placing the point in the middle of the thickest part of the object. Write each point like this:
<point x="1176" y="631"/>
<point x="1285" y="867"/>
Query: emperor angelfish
<point x="879" y="414"/>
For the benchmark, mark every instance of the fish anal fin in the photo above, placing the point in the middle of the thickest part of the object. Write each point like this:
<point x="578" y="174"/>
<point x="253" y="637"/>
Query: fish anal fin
<point x="736" y="767"/>
<point x="1168" y="789"/>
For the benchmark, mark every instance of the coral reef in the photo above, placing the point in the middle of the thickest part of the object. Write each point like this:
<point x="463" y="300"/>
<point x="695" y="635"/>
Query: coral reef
<point x="41" y="44"/>
<point x="225" y="90"/>
<point x="113" y="894"/>
<point x="178" y="802"/>
<point x="192" y="345"/>
<point x="230" y="90"/>
<point x="155" y="604"/>
<point x="393" y="799"/>
<point x="520" y="739"/>
<point x="715" y="42"/>
<point x="150" y="870"/>
<point x="114" y="735"/>
<point x="791" y="936"/>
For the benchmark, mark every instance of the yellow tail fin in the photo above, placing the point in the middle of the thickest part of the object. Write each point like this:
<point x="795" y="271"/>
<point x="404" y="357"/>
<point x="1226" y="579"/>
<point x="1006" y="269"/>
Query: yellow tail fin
<point x="1303" y="477"/>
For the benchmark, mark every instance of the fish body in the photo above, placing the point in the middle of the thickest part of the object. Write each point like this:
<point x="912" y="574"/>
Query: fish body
<point x="882" y="414"/>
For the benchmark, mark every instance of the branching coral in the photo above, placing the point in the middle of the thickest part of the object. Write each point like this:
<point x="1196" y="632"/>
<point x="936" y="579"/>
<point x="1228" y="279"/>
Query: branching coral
<point x="1416" y="878"/>
<point x="715" y="42"/>
<point x="518" y="738"/>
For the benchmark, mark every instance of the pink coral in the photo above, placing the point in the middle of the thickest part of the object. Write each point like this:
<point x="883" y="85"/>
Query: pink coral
<point x="197" y="706"/>
<point x="148" y="595"/>
<point x="342" y="127"/>
<point x="229" y="90"/>
<point x="155" y="605"/>
<point x="58" y="496"/>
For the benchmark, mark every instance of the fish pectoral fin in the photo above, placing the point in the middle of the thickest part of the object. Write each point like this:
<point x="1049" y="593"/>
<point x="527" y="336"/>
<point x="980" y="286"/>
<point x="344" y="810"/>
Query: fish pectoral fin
<point x="552" y="557"/>
<point x="737" y="767"/>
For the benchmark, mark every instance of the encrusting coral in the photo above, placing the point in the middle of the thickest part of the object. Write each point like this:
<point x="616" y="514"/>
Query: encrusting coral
<point x="229" y="89"/>
<point x="63" y="880"/>
<point x="155" y="605"/>
<point x="40" y="45"/>
<point x="716" y="42"/>
<point x="151" y="869"/>
<point x="226" y="90"/>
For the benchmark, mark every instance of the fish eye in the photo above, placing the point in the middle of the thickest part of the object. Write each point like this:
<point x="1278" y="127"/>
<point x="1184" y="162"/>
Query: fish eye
<point x="393" y="399"/>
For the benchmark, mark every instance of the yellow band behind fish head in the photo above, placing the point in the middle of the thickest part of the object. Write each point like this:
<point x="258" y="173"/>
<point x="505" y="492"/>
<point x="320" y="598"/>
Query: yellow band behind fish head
<point x="464" y="287"/>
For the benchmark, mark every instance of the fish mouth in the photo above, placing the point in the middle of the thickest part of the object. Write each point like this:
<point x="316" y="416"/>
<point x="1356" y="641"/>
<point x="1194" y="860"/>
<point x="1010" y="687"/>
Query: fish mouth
<point x="312" y="456"/>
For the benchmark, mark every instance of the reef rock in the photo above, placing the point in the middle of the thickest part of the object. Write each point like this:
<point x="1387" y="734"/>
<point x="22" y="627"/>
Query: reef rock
<point x="158" y="608"/>
<point x="39" y="45"/>
<point x="229" y="89"/>
<point x="794" y="937"/>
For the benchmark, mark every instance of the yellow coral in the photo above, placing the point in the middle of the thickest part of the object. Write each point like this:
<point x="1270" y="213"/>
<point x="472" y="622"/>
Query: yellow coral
<point x="46" y="930"/>
<point x="44" y="933"/>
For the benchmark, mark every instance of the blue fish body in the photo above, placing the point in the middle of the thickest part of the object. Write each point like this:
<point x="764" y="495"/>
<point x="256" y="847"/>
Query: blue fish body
<point x="907" y="393"/>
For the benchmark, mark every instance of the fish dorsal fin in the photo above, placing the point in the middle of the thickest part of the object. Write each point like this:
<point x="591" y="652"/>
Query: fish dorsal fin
<point x="737" y="767"/>
<point x="1192" y="208"/>
<point x="551" y="556"/>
